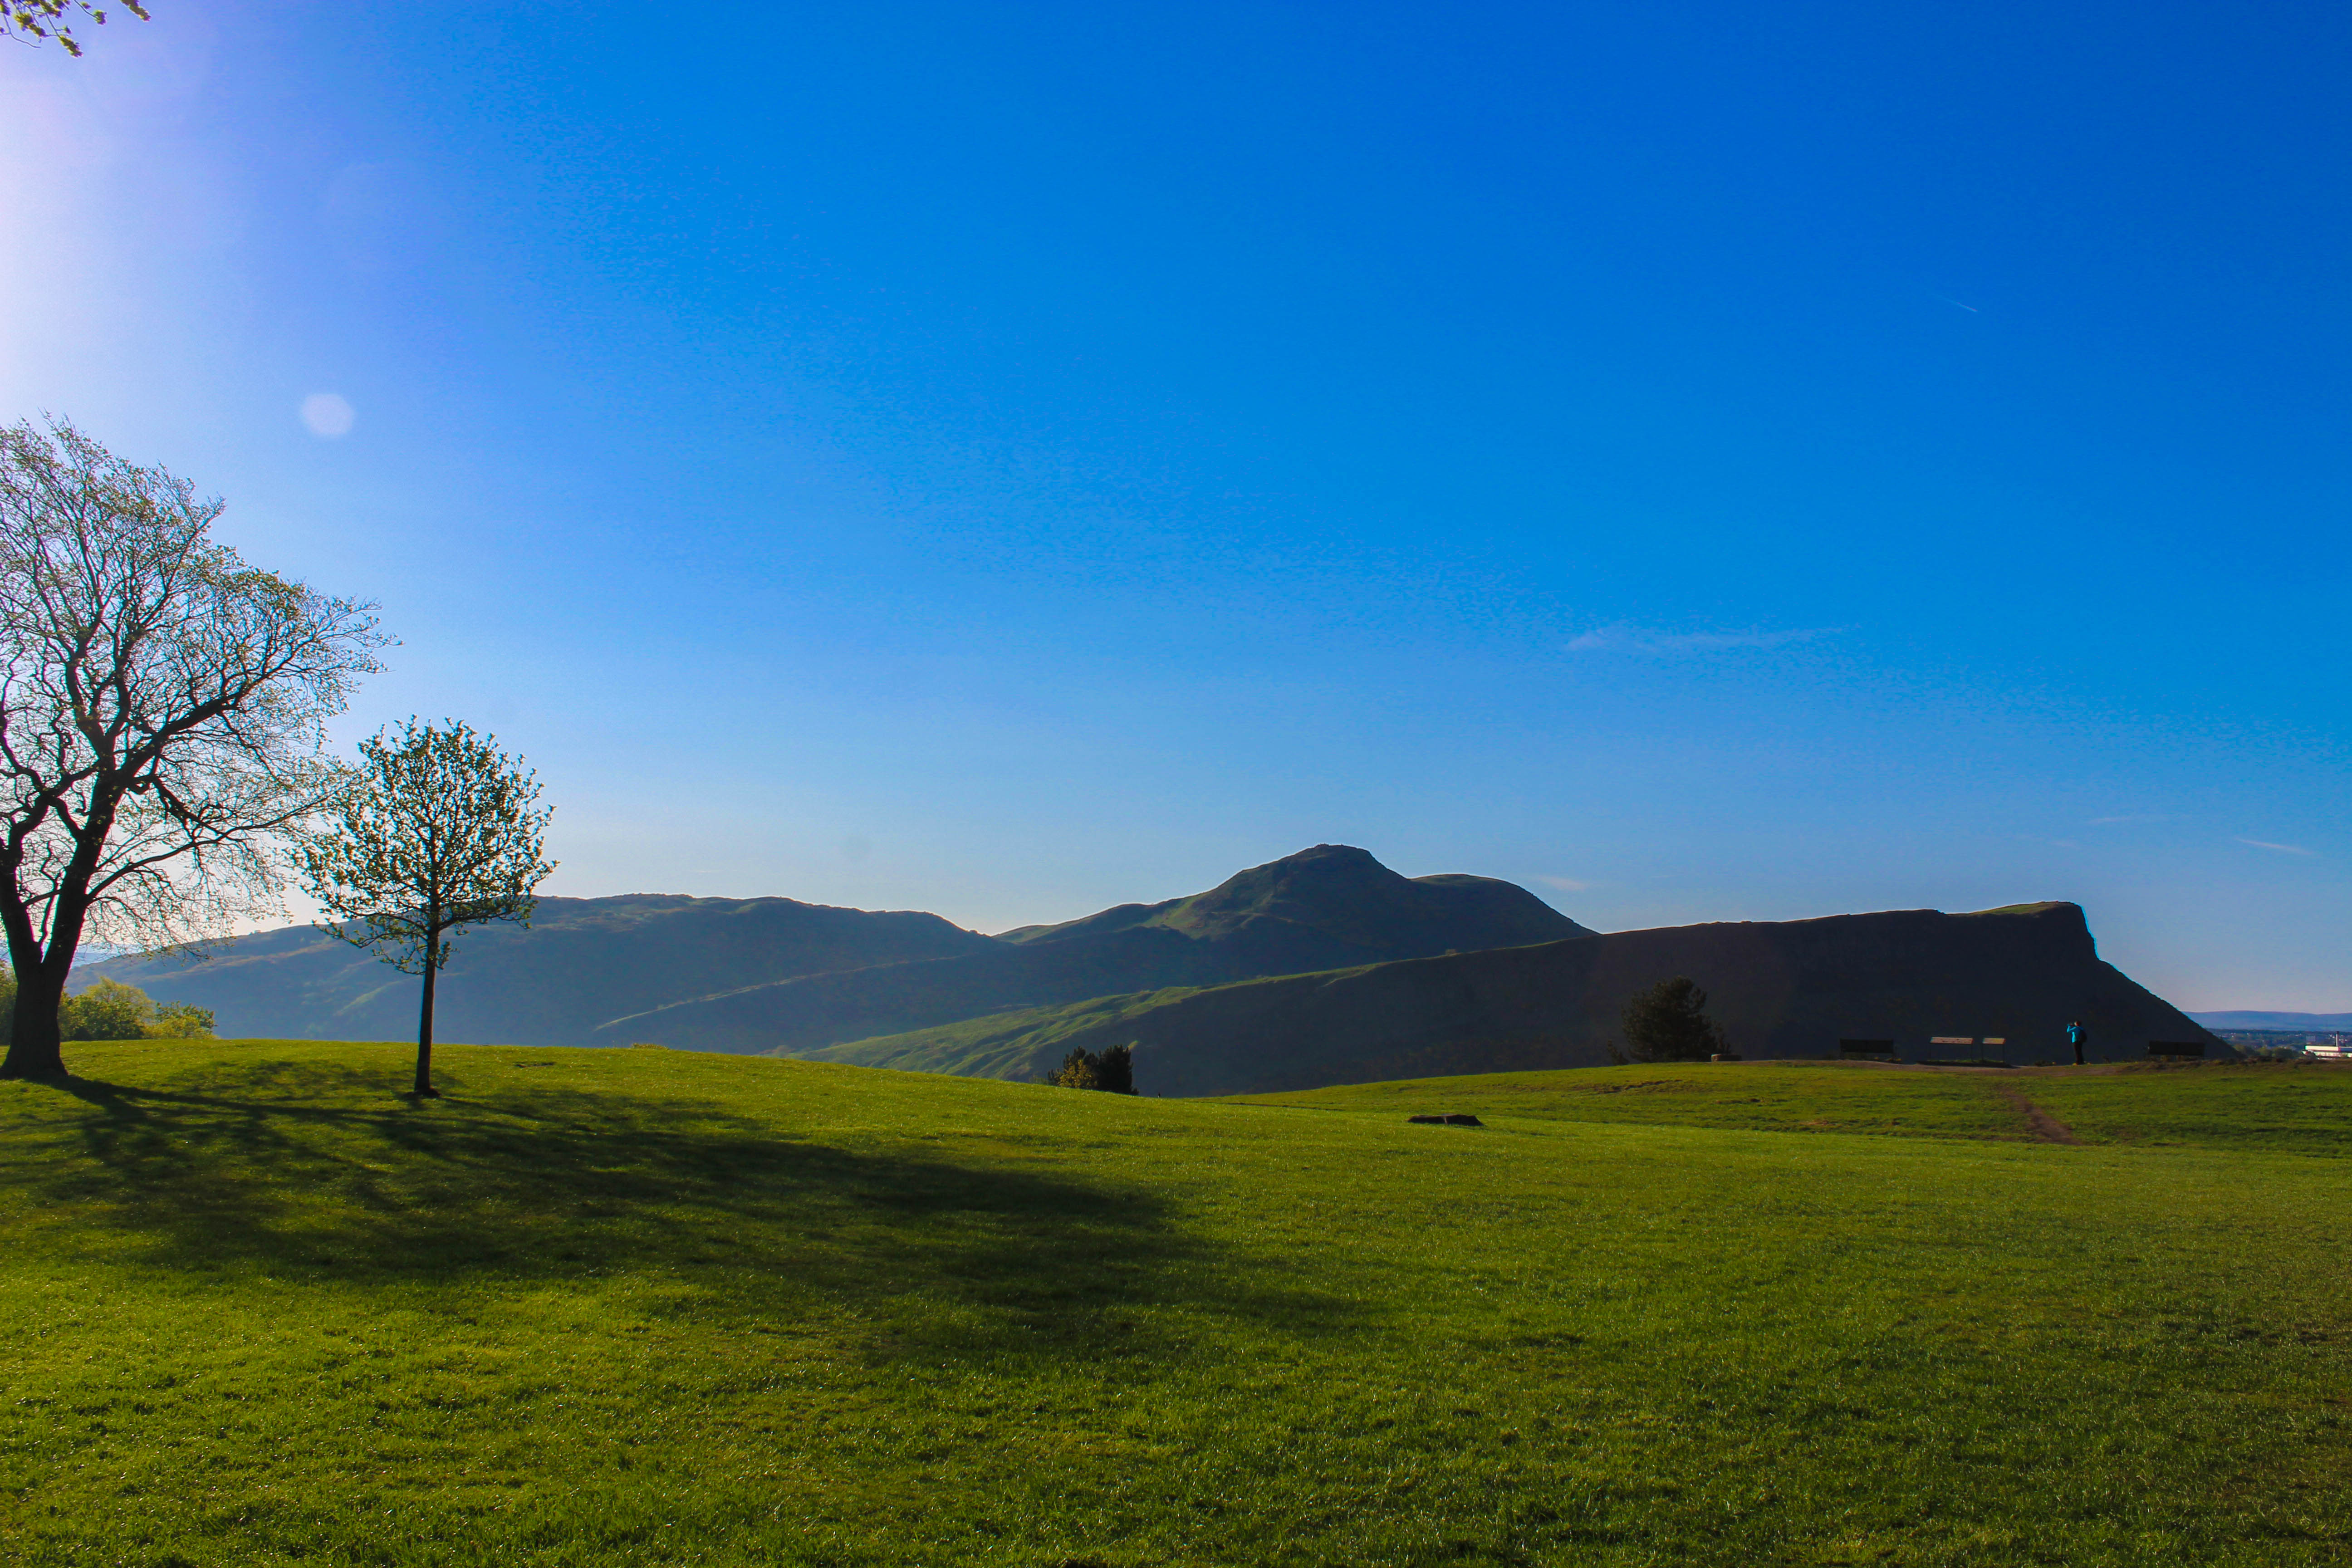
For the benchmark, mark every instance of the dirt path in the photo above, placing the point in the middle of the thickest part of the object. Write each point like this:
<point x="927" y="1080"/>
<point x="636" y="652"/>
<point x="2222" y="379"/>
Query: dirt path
<point x="2045" y="1127"/>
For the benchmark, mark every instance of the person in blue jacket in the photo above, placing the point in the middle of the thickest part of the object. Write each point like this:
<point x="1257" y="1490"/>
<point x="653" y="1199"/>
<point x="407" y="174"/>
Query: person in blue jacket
<point x="2074" y="1037"/>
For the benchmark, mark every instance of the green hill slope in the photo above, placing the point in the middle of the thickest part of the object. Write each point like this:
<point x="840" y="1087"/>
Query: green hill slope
<point x="633" y="1306"/>
<point x="2304" y="1108"/>
<point x="582" y="962"/>
<point x="1791" y="988"/>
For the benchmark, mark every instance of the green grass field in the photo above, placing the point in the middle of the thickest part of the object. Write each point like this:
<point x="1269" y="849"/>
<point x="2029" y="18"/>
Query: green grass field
<point x="2304" y="1109"/>
<point x="639" y="1307"/>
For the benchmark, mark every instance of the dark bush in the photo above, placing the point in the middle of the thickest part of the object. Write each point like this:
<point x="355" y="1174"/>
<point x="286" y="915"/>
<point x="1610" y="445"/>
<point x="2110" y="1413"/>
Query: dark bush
<point x="1668" y="1023"/>
<point x="1113" y="1070"/>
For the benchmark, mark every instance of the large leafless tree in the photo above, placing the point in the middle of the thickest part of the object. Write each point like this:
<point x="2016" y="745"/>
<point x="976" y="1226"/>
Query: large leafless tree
<point x="163" y="708"/>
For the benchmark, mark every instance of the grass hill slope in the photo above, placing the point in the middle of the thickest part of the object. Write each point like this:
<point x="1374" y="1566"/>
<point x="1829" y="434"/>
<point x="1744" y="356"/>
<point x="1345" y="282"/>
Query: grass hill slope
<point x="1323" y="908"/>
<point x="652" y="1307"/>
<point x="2304" y="1108"/>
<point x="582" y="962"/>
<point x="1787" y="989"/>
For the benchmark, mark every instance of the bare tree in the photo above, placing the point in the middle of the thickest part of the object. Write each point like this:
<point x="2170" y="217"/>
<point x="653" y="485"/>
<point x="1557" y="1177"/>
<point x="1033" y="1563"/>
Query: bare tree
<point x="30" y="21"/>
<point x="438" y="829"/>
<point x="163" y="708"/>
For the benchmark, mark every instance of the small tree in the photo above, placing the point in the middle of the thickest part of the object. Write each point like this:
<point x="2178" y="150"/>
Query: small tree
<point x="1668" y="1023"/>
<point x="1113" y="1070"/>
<point x="440" y="829"/>
<point x="107" y="1010"/>
<point x="163" y="708"/>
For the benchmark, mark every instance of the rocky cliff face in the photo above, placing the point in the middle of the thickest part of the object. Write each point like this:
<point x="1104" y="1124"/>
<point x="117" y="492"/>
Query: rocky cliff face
<point x="1786" y="989"/>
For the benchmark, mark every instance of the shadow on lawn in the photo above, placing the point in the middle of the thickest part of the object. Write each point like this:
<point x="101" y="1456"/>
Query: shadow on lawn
<point x="309" y="1172"/>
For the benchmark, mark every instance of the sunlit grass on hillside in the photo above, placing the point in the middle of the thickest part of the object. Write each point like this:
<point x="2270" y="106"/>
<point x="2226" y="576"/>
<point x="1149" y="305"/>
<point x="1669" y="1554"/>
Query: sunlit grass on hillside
<point x="645" y="1307"/>
<point x="1810" y="1097"/>
<point x="2303" y="1107"/>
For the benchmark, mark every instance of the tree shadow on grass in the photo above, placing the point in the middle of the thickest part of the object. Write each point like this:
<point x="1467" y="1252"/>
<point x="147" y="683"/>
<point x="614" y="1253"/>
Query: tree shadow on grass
<point x="306" y="1172"/>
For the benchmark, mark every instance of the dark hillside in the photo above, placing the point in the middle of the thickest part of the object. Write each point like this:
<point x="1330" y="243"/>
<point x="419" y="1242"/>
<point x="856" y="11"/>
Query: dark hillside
<point x="1792" y="988"/>
<point x="1332" y="898"/>
<point x="1323" y="908"/>
<point x="583" y="961"/>
<point x="753" y="974"/>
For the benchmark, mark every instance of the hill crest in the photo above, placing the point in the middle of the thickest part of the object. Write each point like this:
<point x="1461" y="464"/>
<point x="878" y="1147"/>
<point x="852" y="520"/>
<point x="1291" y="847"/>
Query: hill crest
<point x="749" y="975"/>
<point x="1328" y="907"/>
<point x="1792" y="988"/>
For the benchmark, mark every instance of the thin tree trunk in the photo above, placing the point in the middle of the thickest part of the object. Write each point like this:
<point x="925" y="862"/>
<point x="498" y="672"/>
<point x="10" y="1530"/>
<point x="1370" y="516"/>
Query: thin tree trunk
<point x="34" y="1040"/>
<point x="425" y="1021"/>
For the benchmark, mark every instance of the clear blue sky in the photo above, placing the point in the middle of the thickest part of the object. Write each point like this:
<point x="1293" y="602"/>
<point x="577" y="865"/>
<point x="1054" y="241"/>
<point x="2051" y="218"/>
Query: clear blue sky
<point x="1702" y="461"/>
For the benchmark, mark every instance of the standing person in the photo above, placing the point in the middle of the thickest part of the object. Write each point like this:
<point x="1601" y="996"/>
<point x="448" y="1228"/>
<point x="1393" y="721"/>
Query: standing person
<point x="2074" y="1037"/>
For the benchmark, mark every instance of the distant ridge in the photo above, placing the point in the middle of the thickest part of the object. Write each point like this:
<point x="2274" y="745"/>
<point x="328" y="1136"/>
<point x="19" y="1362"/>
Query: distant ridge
<point x="751" y="975"/>
<point x="583" y="961"/>
<point x="1324" y="908"/>
<point x="2288" y="1023"/>
<point x="1791" y="988"/>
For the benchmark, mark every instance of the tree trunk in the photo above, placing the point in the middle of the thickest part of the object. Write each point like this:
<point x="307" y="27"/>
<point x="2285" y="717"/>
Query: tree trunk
<point x="424" y="1020"/>
<point x="34" y="1041"/>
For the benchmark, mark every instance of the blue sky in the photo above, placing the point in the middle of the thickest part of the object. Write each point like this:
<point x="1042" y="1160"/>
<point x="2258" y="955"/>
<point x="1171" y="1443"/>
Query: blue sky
<point x="1011" y="459"/>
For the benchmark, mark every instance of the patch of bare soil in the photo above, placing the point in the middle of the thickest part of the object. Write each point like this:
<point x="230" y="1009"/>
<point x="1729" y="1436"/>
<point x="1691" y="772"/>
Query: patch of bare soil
<point x="2044" y="1126"/>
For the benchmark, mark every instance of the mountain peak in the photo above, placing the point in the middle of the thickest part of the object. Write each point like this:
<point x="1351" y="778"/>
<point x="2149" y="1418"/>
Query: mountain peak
<point x="1330" y="906"/>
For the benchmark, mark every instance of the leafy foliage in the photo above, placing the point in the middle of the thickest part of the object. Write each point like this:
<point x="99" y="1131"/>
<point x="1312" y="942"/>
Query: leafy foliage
<point x="181" y="1021"/>
<point x="439" y="829"/>
<point x="109" y="1010"/>
<point x="163" y="711"/>
<point x="1668" y="1023"/>
<point x="1112" y="1070"/>
<point x="33" y="20"/>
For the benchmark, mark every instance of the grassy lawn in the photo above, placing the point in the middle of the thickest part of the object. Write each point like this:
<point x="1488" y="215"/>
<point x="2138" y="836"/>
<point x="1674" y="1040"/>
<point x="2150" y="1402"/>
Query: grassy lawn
<point x="1829" y="1097"/>
<point x="637" y="1306"/>
<point x="2305" y="1106"/>
<point x="2302" y="1108"/>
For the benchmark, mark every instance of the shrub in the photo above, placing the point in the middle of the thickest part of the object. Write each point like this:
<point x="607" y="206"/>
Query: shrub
<point x="181" y="1021"/>
<point x="108" y="1010"/>
<point x="647" y="1046"/>
<point x="1113" y="1070"/>
<point x="1668" y="1023"/>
